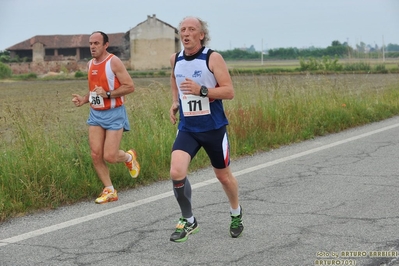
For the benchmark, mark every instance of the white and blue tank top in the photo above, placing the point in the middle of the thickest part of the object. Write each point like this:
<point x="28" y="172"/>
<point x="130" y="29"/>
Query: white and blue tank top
<point x="196" y="67"/>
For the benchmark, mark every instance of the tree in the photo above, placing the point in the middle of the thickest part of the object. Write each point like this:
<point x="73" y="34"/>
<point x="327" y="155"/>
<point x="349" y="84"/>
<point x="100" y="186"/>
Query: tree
<point x="336" y="49"/>
<point x="336" y="43"/>
<point x="251" y="49"/>
<point x="361" y="47"/>
<point x="5" y="56"/>
<point x="393" y="47"/>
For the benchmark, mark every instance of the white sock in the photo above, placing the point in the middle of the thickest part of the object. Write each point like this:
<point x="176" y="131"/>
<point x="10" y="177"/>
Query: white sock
<point x="130" y="157"/>
<point x="235" y="212"/>
<point x="111" y="188"/>
<point x="190" y="220"/>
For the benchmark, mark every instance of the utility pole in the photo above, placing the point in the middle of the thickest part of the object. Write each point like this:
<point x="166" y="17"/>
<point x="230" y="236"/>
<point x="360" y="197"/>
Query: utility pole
<point x="347" y="45"/>
<point x="383" y="49"/>
<point x="261" y="53"/>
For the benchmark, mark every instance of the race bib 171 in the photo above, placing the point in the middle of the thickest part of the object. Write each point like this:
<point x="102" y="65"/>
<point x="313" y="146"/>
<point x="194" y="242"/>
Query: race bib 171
<point x="193" y="105"/>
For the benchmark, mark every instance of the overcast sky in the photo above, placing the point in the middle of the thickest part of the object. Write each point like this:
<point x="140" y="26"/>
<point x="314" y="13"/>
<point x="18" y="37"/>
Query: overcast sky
<point x="232" y="23"/>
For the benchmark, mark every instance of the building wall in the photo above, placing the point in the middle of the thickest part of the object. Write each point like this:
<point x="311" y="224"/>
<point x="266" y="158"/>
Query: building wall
<point x="45" y="67"/>
<point x="38" y="52"/>
<point x="151" y="45"/>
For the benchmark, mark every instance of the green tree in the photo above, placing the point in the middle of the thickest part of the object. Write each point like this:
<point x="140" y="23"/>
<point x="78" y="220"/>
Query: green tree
<point x="239" y="54"/>
<point x="5" y="56"/>
<point x="361" y="47"/>
<point x="5" y="71"/>
<point x="336" y="43"/>
<point x="393" y="47"/>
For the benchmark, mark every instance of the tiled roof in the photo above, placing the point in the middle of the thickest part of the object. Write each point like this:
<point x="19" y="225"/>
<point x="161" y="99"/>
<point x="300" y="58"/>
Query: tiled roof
<point x="66" y="41"/>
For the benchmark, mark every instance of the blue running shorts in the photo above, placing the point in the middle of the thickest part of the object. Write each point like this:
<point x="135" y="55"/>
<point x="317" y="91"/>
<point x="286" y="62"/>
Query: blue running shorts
<point x="214" y="142"/>
<point x="111" y="119"/>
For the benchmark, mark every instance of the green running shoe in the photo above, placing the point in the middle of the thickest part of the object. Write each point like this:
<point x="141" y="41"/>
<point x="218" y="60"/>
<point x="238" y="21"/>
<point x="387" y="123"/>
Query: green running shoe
<point x="236" y="226"/>
<point x="183" y="230"/>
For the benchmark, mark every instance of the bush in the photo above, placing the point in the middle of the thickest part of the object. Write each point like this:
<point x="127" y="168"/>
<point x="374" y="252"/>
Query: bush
<point x="381" y="68"/>
<point x="360" y="66"/>
<point x="311" y="65"/>
<point x="27" y="76"/>
<point x="326" y="63"/>
<point x="80" y="74"/>
<point x="330" y="64"/>
<point x="5" y="71"/>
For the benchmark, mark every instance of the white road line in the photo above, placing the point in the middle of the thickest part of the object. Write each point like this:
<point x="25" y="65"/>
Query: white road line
<point x="127" y="206"/>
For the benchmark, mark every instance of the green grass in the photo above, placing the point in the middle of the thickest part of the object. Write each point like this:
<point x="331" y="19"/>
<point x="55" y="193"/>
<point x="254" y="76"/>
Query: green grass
<point x="44" y="150"/>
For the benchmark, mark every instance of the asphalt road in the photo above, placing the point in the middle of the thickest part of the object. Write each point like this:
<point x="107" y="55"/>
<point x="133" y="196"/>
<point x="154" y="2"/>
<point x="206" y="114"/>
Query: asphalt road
<point x="328" y="201"/>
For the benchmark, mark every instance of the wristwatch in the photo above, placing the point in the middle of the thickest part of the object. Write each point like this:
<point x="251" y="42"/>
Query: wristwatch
<point x="109" y="94"/>
<point x="203" y="91"/>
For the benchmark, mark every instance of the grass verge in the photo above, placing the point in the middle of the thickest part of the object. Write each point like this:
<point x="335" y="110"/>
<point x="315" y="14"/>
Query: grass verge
<point x="44" y="149"/>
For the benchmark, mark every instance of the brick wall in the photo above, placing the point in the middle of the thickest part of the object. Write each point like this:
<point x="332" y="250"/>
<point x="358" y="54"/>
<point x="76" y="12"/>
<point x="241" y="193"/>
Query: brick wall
<point x="44" y="67"/>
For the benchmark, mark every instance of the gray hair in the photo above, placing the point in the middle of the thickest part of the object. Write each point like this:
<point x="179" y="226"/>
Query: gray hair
<point x="204" y="29"/>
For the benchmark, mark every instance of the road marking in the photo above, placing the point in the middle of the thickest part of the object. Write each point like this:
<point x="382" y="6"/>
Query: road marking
<point x="127" y="206"/>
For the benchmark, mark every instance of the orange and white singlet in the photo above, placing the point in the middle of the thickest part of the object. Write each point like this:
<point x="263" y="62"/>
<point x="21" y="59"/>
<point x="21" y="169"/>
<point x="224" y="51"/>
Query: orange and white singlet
<point x="101" y="75"/>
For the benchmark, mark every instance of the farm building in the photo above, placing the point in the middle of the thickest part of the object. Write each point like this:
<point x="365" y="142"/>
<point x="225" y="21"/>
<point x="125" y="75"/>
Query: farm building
<point x="146" y="46"/>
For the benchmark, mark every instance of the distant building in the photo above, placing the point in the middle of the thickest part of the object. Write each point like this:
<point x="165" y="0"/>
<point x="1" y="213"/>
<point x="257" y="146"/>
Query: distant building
<point x="151" y="44"/>
<point x="63" y="47"/>
<point x="146" y="46"/>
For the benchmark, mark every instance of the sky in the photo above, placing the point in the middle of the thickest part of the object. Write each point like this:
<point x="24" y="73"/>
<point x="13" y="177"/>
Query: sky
<point x="265" y="24"/>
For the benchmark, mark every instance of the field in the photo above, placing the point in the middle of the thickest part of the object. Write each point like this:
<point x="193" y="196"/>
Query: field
<point x="45" y="159"/>
<point x="390" y="63"/>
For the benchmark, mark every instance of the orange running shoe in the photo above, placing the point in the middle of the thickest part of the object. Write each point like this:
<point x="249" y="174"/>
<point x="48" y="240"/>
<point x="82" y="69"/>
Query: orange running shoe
<point x="133" y="165"/>
<point x="107" y="196"/>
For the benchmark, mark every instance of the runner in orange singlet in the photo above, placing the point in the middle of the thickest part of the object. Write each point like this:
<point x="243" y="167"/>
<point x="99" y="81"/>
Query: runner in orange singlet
<point x="109" y="82"/>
